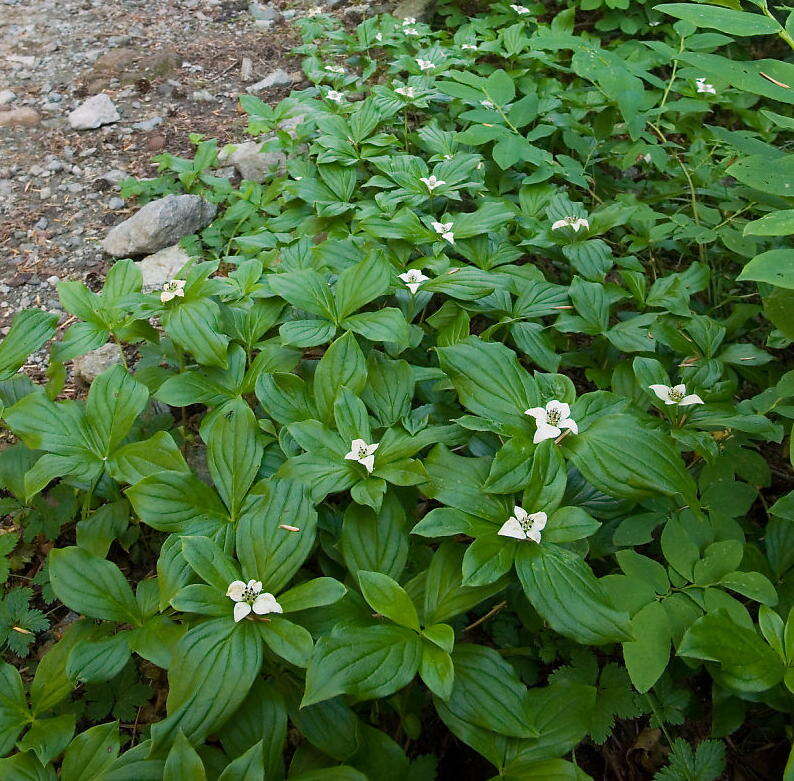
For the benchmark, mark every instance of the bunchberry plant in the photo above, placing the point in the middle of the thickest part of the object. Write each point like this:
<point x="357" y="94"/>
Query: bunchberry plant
<point x="460" y="445"/>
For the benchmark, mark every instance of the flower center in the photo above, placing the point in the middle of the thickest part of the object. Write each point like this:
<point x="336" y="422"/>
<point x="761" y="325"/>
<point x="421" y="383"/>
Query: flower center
<point x="526" y="525"/>
<point x="676" y="395"/>
<point x="249" y="595"/>
<point x="553" y="417"/>
<point x="362" y="452"/>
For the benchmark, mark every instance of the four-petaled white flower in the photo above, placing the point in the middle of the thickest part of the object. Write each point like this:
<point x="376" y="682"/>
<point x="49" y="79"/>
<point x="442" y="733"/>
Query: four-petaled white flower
<point x="249" y="597"/>
<point x="378" y="37"/>
<point x="363" y="453"/>
<point x="410" y="31"/>
<point x="431" y="182"/>
<point x="469" y="46"/>
<point x="486" y="103"/>
<point x="701" y="85"/>
<point x="173" y="289"/>
<point x="335" y="69"/>
<point x="444" y="229"/>
<point x="551" y="419"/>
<point x="425" y="65"/>
<point x="406" y="92"/>
<point x="335" y="96"/>
<point x="675" y="394"/>
<point x="519" y="9"/>
<point x="571" y="222"/>
<point x="409" y="20"/>
<point x="413" y="279"/>
<point x="523" y="525"/>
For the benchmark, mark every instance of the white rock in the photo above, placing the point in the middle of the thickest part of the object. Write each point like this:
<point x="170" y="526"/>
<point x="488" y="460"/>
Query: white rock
<point x="94" y="112"/>
<point x="246" y="69"/>
<point x="204" y="96"/>
<point x="162" y="266"/>
<point x="6" y="96"/>
<point x="278" y="78"/>
<point x="89" y="366"/>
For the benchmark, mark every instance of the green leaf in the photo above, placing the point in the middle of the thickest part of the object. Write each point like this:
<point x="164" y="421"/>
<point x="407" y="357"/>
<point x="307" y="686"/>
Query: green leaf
<point x="93" y="661"/>
<point x="437" y="670"/>
<point x="646" y="463"/>
<point x="14" y="713"/>
<point x="366" y="663"/>
<point x="317" y="592"/>
<point x="647" y="655"/>
<point x="775" y="266"/>
<point x="744" y="661"/>
<point x="234" y="453"/>
<point x="359" y="284"/>
<point x="489" y="380"/>
<point x="488" y="693"/>
<point x="563" y="589"/>
<point x="726" y="20"/>
<point x="47" y="738"/>
<point x="91" y="753"/>
<point x="194" y="326"/>
<point x="183" y="761"/>
<point x="376" y="542"/>
<point x="266" y="551"/>
<point x="215" y="656"/>
<point x="247" y="767"/>
<point x="288" y="640"/>
<point x="758" y="171"/>
<point x="136" y="460"/>
<point x="92" y="586"/>
<point x="388" y="598"/>
<point x="29" y="330"/>
<point x="210" y="562"/>
<point x="342" y="364"/>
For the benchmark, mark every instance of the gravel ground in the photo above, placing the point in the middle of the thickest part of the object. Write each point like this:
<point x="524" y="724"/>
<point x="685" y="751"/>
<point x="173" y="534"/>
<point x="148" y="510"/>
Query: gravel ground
<point x="170" y="68"/>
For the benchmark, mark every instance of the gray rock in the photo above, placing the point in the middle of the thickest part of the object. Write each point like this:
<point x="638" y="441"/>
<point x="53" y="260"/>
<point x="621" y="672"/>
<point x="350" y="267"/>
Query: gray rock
<point x="115" y="176"/>
<point x="278" y="78"/>
<point x="159" y="224"/>
<point x="89" y="366"/>
<point x="246" y="69"/>
<point x="162" y="266"/>
<point x="94" y="112"/>
<point x="250" y="162"/>
<point x="264" y="12"/>
<point x="116" y="203"/>
<point x="19" y="117"/>
<point x="203" y="96"/>
<point x="418" y="9"/>
<point x="147" y="124"/>
<point x="6" y="96"/>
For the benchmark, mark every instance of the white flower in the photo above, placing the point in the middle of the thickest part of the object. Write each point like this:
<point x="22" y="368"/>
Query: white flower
<point x="469" y="46"/>
<point x="519" y="9"/>
<point x="335" y="69"/>
<point x="675" y="394"/>
<point x="551" y="420"/>
<point x="523" y="525"/>
<point x="378" y="37"/>
<point x="701" y="85"/>
<point x="315" y="11"/>
<point x="410" y="31"/>
<point x="647" y="157"/>
<point x="448" y="157"/>
<point x="363" y="453"/>
<point x="444" y="229"/>
<point x="409" y="20"/>
<point x="173" y="289"/>
<point x="431" y="182"/>
<point x="571" y="222"/>
<point x="406" y="92"/>
<point x="248" y="597"/>
<point x="486" y="103"/>
<point x="425" y="65"/>
<point x="413" y="279"/>
<point x="336" y="96"/>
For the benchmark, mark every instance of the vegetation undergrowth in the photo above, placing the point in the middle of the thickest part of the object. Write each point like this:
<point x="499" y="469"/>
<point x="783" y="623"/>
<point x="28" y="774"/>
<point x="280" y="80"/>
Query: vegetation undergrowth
<point x="460" y="449"/>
